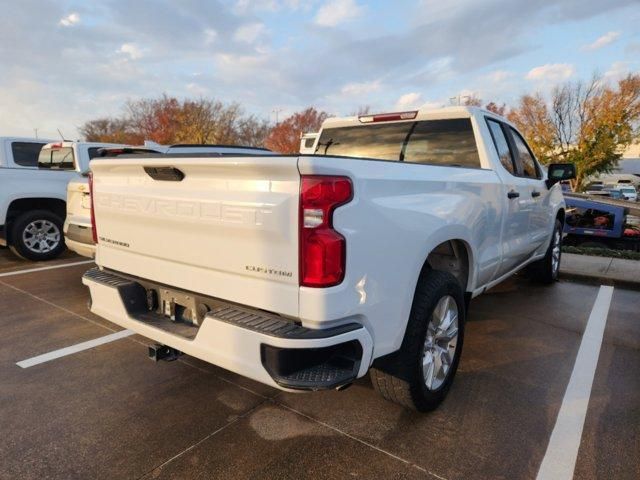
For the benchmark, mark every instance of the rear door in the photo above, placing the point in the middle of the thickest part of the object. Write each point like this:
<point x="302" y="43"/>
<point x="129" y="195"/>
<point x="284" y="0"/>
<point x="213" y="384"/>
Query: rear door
<point x="537" y="192"/>
<point x="226" y="227"/>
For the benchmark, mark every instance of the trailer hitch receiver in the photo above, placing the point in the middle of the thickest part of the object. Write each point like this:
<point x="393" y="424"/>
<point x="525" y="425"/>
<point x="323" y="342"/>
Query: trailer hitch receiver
<point x="162" y="352"/>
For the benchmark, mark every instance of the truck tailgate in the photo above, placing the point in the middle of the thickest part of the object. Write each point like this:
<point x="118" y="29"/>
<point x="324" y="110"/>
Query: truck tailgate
<point x="221" y="226"/>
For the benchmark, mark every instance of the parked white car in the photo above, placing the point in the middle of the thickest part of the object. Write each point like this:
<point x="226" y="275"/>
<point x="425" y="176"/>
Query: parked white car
<point x="77" y="227"/>
<point x="629" y="192"/>
<point x="33" y="185"/>
<point x="306" y="272"/>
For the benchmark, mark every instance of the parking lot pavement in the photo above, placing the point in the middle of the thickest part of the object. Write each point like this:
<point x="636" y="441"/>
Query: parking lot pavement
<point x="10" y="262"/>
<point x="612" y="428"/>
<point x="109" y="412"/>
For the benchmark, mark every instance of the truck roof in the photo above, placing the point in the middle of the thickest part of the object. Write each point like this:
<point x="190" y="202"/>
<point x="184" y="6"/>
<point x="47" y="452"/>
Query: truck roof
<point x="214" y="145"/>
<point x="412" y="115"/>
<point x="70" y="143"/>
<point x="26" y="139"/>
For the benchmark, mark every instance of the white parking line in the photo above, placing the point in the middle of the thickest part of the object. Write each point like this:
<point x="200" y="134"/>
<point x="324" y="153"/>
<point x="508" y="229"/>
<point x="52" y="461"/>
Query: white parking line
<point x="39" y="269"/>
<point x="45" y="357"/>
<point x="562" y="452"/>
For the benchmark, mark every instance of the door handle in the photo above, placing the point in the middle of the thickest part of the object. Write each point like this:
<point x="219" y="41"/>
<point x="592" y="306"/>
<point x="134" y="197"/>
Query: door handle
<point x="513" y="194"/>
<point x="535" y="194"/>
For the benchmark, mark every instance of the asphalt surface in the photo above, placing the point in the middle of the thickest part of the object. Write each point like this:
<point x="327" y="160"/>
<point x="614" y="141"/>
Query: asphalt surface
<point x="109" y="412"/>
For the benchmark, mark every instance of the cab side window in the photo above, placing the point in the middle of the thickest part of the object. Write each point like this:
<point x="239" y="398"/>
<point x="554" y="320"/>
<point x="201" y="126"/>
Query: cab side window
<point x="26" y="154"/>
<point x="528" y="163"/>
<point x="502" y="146"/>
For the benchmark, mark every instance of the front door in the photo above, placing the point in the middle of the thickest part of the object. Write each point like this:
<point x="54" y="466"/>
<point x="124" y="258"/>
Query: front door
<point x="519" y="205"/>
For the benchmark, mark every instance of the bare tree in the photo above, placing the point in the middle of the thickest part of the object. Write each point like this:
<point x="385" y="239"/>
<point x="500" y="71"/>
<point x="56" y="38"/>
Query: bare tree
<point x="111" y="130"/>
<point x="495" y="108"/>
<point x="471" y="100"/>
<point x="361" y="110"/>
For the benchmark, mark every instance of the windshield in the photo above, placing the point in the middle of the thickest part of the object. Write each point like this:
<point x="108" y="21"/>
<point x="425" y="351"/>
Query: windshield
<point x="433" y="142"/>
<point x="56" y="158"/>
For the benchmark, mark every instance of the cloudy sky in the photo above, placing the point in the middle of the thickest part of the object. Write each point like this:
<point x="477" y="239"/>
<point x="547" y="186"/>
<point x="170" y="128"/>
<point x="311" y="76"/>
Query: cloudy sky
<point x="64" y="62"/>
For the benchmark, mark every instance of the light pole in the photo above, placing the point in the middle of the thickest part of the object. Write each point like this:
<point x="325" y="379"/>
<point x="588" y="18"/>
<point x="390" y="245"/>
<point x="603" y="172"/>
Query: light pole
<point x="277" y="112"/>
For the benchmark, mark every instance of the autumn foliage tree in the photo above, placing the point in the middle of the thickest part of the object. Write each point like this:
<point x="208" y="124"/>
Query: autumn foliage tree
<point x="285" y="136"/>
<point x="167" y="120"/>
<point x="111" y="130"/>
<point x="496" y="108"/>
<point x="589" y="124"/>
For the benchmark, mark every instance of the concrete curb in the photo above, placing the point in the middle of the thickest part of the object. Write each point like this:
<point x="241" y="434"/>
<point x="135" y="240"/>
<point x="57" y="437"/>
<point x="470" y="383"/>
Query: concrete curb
<point x="599" y="280"/>
<point x="601" y="270"/>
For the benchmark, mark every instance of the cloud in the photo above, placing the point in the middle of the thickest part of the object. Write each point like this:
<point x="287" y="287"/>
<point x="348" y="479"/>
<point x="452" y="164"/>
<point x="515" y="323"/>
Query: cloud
<point x="433" y="48"/>
<point x="359" y="89"/>
<point x="499" y="76"/>
<point x="249" y="6"/>
<point x="409" y="101"/>
<point x="210" y="36"/>
<point x="197" y="89"/>
<point x="603" y="41"/>
<point x="335" y="12"/>
<point x="131" y="50"/>
<point x="69" y="20"/>
<point x="250" y="32"/>
<point x="617" y="71"/>
<point x="551" y="72"/>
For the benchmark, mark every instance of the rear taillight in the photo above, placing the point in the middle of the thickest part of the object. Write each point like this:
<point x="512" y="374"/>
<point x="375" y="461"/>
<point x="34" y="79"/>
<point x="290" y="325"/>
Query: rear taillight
<point x="322" y="249"/>
<point x="94" y="230"/>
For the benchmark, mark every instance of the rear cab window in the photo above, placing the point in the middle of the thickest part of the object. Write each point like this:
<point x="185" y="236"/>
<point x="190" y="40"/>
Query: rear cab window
<point x="448" y="142"/>
<point x="25" y="154"/>
<point x="57" y="158"/>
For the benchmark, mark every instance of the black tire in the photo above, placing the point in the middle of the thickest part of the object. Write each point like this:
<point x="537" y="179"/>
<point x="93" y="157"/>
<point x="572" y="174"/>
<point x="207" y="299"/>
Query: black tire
<point x="400" y="377"/>
<point x="22" y="243"/>
<point x="546" y="270"/>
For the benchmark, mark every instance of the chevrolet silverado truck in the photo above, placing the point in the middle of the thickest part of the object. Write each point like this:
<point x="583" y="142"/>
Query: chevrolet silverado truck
<point x="305" y="272"/>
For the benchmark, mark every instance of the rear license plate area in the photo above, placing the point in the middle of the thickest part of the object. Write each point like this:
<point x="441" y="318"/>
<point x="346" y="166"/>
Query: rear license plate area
<point x="178" y="306"/>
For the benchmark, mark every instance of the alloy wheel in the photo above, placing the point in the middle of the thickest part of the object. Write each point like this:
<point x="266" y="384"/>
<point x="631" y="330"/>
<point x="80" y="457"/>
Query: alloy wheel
<point x="41" y="236"/>
<point x="440" y="343"/>
<point x="555" y="252"/>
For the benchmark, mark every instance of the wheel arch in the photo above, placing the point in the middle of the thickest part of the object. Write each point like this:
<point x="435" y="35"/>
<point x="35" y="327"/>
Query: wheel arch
<point x="452" y="256"/>
<point x="21" y="205"/>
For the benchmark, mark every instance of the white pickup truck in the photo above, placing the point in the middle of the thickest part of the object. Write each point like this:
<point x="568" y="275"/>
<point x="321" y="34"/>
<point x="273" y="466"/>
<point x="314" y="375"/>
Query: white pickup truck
<point x="33" y="189"/>
<point x="307" y="271"/>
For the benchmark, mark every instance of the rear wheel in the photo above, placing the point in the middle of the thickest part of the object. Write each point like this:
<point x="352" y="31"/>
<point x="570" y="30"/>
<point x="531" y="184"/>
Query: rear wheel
<point x="547" y="269"/>
<point x="420" y="374"/>
<point x="37" y="235"/>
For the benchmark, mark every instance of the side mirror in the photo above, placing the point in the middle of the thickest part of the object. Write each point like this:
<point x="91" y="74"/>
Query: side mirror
<point x="556" y="172"/>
